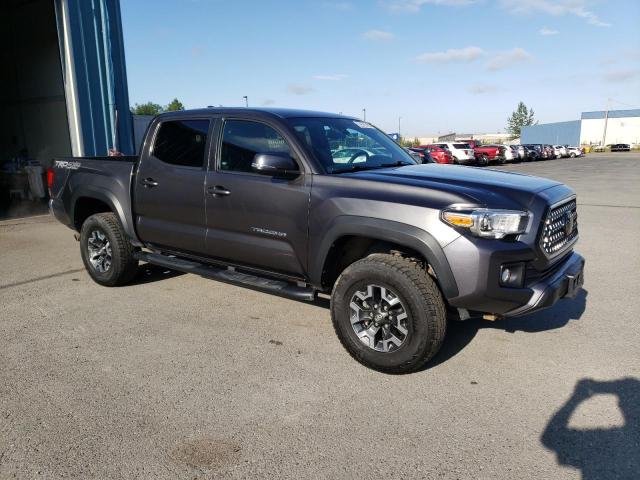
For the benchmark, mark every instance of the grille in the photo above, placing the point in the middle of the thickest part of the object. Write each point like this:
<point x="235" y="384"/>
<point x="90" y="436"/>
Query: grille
<point x="560" y="228"/>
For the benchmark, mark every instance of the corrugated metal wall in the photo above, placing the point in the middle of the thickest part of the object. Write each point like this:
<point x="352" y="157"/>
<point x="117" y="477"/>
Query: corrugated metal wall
<point x="560" y="133"/>
<point x="95" y="79"/>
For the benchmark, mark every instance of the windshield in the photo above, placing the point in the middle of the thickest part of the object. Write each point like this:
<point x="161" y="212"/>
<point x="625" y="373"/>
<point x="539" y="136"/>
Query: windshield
<point x="345" y="145"/>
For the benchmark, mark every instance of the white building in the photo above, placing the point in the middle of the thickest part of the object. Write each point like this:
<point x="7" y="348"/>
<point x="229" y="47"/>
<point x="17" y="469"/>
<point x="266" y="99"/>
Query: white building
<point x="622" y="126"/>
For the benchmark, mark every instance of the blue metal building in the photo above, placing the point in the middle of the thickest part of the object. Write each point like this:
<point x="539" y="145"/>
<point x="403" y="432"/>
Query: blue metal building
<point x="559" y="133"/>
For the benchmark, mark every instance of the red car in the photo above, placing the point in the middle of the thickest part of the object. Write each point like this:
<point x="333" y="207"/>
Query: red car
<point x="486" y="154"/>
<point x="439" y="154"/>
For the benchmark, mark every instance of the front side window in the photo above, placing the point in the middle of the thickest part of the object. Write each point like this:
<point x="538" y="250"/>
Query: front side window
<point x="182" y="142"/>
<point x="243" y="139"/>
<point x="342" y="144"/>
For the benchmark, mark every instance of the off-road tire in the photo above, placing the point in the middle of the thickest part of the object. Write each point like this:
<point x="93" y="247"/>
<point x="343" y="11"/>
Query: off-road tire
<point x="417" y="291"/>
<point x="123" y="263"/>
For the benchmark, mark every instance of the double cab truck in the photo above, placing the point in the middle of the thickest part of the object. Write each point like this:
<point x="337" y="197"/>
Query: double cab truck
<point x="264" y="198"/>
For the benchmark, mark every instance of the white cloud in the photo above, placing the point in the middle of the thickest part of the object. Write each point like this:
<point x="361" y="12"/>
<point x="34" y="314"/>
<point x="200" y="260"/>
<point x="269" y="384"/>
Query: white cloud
<point x="412" y="6"/>
<point x="555" y="8"/>
<point x="462" y="55"/>
<point x="298" y="89"/>
<point x="505" y="59"/>
<point x="378" y="35"/>
<point x="482" y="88"/>
<point x="335" y="77"/>
<point x="544" y="31"/>
<point x="617" y="76"/>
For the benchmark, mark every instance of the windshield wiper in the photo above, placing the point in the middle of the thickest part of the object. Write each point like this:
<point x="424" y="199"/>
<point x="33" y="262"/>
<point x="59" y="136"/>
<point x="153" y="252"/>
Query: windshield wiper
<point x="357" y="168"/>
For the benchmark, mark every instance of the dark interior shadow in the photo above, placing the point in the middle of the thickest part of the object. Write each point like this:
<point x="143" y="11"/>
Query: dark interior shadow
<point x="599" y="453"/>
<point x="149" y="273"/>
<point x="460" y="334"/>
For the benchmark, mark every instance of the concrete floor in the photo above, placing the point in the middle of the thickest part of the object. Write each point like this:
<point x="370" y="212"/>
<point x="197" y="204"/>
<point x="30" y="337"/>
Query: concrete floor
<point x="179" y="377"/>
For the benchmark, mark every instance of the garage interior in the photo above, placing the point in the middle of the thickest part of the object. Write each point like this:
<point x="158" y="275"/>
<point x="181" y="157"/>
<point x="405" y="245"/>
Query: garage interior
<point x="33" y="125"/>
<point x="63" y="92"/>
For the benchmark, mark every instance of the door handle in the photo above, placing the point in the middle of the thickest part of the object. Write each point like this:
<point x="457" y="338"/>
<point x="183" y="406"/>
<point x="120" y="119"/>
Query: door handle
<point x="149" y="182"/>
<point x="218" y="191"/>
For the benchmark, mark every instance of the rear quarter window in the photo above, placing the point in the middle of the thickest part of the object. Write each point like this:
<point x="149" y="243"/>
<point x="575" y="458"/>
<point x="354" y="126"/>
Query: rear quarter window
<point x="182" y="142"/>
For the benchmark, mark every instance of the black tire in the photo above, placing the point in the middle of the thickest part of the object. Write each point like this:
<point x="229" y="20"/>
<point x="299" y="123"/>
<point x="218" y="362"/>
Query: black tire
<point x="419" y="297"/>
<point x="123" y="265"/>
<point x="484" y="160"/>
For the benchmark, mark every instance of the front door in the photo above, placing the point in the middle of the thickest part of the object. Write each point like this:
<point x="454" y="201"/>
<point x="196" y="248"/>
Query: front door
<point x="169" y="192"/>
<point x="254" y="219"/>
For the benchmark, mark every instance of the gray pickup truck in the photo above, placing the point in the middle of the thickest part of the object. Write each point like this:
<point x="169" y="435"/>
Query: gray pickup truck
<point x="297" y="202"/>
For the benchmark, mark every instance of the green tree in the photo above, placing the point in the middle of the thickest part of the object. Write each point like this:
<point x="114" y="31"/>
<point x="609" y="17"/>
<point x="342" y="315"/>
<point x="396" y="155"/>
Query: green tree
<point x="174" y="106"/>
<point x="148" y="108"/>
<point x="521" y="117"/>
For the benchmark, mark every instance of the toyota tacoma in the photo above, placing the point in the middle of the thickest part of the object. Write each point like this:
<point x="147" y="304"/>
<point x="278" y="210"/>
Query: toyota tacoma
<point x="267" y="199"/>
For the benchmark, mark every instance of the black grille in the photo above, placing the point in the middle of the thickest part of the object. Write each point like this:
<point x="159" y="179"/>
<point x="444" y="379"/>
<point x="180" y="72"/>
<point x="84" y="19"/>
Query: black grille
<point x="560" y="229"/>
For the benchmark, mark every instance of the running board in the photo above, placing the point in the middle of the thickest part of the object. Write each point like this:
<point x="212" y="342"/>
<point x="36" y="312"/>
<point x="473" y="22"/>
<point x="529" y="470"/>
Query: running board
<point x="230" y="275"/>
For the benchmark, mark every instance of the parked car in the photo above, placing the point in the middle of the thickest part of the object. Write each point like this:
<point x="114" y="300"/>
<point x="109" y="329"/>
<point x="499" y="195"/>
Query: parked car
<point x="532" y="152"/>
<point x="439" y="154"/>
<point x="560" y="151"/>
<point x="519" y="152"/>
<point x="509" y="154"/>
<point x="620" y="147"/>
<point x="487" y="154"/>
<point x="574" y="152"/>
<point x="394" y="243"/>
<point x="422" y="155"/>
<point x="462" y="152"/>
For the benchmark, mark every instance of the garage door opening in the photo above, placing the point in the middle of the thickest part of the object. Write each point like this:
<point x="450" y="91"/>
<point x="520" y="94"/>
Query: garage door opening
<point x="33" y="124"/>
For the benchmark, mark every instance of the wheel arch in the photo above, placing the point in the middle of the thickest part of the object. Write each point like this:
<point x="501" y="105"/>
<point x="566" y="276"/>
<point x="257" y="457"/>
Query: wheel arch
<point x="350" y="238"/>
<point x="89" y="199"/>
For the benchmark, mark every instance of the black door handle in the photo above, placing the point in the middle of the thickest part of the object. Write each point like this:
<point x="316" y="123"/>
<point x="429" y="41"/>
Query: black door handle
<point x="218" y="191"/>
<point x="149" y="182"/>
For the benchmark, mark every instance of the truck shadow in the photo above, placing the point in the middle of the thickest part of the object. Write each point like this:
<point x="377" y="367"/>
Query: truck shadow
<point x="149" y="273"/>
<point x="460" y="334"/>
<point x="599" y="453"/>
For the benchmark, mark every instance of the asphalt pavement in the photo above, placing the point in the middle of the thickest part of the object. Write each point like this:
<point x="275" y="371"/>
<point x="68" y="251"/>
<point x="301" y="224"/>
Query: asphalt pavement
<point x="180" y="377"/>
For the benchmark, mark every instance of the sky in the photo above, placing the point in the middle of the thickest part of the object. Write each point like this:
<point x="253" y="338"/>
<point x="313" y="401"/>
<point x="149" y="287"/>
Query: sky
<point x="434" y="66"/>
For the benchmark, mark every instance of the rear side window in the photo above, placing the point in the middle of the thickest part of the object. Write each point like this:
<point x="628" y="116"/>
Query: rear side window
<point x="182" y="142"/>
<point x="461" y="146"/>
<point x="243" y="139"/>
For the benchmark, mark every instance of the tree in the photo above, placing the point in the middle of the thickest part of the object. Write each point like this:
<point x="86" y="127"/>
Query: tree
<point x="521" y="117"/>
<point x="174" y="106"/>
<point x="148" y="108"/>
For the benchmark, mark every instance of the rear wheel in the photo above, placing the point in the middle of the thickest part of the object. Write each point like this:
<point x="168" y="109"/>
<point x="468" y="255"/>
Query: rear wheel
<point x="106" y="252"/>
<point x="484" y="160"/>
<point x="388" y="313"/>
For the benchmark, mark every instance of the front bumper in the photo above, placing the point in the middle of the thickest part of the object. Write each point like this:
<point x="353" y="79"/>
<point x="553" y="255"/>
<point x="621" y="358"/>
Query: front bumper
<point x="566" y="282"/>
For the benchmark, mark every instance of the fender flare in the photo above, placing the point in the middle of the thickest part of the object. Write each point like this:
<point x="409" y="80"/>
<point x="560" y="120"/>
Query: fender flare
<point x="387" y="231"/>
<point x="108" y="197"/>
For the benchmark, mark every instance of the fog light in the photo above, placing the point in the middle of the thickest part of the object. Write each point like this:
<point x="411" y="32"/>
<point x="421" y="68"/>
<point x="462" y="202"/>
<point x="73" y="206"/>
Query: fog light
<point x="512" y="275"/>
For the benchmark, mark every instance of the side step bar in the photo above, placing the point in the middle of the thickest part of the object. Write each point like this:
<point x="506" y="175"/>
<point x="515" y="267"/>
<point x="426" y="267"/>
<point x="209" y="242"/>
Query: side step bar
<point x="229" y="275"/>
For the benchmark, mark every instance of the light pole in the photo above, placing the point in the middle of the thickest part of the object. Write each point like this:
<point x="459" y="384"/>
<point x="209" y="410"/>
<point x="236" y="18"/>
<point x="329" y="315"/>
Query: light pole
<point x="246" y="101"/>
<point x="364" y="114"/>
<point x="399" y="134"/>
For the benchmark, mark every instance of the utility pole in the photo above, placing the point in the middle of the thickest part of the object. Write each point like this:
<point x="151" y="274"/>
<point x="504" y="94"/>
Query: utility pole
<point x="246" y="101"/>
<point x="606" y="120"/>
<point x="399" y="134"/>
<point x="364" y="114"/>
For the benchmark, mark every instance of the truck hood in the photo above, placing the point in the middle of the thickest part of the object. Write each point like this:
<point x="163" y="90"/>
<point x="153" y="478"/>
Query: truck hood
<point x="484" y="186"/>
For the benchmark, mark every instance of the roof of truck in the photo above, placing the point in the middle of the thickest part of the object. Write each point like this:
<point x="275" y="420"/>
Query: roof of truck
<point x="278" y="112"/>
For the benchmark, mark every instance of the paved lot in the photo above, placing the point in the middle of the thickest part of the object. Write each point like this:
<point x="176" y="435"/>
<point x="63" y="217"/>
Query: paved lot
<point x="179" y="377"/>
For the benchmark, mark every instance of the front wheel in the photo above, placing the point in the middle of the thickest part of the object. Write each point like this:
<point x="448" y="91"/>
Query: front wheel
<point x="388" y="313"/>
<point x="106" y="251"/>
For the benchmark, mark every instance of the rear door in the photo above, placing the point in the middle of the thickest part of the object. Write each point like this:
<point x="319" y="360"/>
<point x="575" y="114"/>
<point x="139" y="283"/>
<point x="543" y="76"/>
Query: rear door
<point x="254" y="219"/>
<point x="169" y="192"/>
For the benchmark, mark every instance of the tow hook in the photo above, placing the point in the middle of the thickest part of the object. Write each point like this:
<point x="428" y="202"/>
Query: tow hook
<point x="76" y="236"/>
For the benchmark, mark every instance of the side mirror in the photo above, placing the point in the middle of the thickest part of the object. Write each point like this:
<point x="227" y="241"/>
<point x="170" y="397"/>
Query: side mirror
<point x="277" y="165"/>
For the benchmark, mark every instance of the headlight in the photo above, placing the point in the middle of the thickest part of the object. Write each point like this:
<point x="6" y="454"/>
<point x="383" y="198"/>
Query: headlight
<point x="488" y="223"/>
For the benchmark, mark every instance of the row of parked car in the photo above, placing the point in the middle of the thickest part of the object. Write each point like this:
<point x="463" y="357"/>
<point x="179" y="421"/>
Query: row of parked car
<point x="470" y="152"/>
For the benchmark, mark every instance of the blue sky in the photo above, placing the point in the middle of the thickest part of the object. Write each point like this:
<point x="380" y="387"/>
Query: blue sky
<point x="442" y="65"/>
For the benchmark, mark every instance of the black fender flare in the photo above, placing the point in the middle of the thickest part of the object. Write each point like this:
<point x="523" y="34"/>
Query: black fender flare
<point x="108" y="197"/>
<point x="387" y="231"/>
